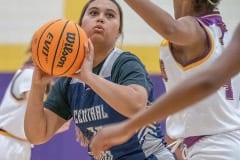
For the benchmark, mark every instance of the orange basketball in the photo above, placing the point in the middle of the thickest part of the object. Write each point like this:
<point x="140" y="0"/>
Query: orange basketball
<point x="58" y="47"/>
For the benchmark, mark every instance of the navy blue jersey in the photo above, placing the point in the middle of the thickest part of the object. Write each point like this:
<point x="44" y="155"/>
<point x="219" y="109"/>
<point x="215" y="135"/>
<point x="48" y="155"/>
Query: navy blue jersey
<point x="72" y="98"/>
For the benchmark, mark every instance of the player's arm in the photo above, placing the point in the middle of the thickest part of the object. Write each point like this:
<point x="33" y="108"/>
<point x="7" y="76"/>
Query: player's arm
<point x="125" y="99"/>
<point x="228" y="64"/>
<point x="183" y="31"/>
<point x="40" y="124"/>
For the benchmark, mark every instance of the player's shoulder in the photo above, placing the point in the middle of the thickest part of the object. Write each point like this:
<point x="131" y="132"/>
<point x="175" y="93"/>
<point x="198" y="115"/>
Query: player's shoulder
<point x="128" y="62"/>
<point x="23" y="75"/>
<point x="25" y="71"/>
<point x="126" y="57"/>
<point x="125" y="60"/>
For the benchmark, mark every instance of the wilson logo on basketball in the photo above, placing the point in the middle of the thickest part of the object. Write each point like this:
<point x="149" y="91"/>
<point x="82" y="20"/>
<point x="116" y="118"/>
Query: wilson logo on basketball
<point x="68" y="48"/>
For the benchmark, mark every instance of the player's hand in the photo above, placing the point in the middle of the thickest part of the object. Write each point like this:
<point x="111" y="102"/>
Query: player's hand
<point x="110" y="136"/>
<point x="86" y="68"/>
<point x="41" y="78"/>
<point x="80" y="138"/>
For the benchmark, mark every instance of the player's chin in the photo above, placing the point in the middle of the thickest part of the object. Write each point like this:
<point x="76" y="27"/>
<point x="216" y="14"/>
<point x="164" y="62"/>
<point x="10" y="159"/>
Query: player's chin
<point x="97" y="38"/>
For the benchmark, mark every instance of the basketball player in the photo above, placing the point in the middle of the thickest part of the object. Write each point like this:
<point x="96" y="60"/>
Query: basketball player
<point x="112" y="86"/>
<point x="210" y="128"/>
<point x="199" y="86"/>
<point x="13" y="142"/>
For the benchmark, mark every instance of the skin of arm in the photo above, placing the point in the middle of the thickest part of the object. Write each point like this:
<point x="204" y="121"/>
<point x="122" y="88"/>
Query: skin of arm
<point x="183" y="31"/>
<point x="127" y="100"/>
<point x="198" y="86"/>
<point x="40" y="124"/>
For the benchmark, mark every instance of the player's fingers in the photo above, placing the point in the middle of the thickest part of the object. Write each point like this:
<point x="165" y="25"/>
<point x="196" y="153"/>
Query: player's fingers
<point x="89" y="50"/>
<point x="98" y="148"/>
<point x="94" y="146"/>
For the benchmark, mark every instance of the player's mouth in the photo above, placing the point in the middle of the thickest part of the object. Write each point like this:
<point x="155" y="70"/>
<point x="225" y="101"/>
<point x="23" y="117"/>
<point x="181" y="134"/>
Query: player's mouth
<point x="98" y="28"/>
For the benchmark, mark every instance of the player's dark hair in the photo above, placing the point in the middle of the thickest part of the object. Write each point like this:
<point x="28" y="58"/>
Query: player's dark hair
<point x="205" y="5"/>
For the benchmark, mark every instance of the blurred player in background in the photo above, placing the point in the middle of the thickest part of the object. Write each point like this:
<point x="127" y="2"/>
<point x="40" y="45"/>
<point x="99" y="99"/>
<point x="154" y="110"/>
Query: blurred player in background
<point x="13" y="142"/>
<point x="194" y="39"/>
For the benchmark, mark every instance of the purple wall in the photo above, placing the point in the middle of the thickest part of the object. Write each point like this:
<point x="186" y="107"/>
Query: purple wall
<point x="63" y="146"/>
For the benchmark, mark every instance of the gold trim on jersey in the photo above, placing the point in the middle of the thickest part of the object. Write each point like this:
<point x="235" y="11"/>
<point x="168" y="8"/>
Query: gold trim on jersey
<point x="163" y="73"/>
<point x="5" y="133"/>
<point x="165" y="43"/>
<point x="207" y="56"/>
<point x="210" y="15"/>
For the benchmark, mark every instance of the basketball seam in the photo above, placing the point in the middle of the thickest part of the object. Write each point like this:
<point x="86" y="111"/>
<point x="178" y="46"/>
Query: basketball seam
<point x="39" y="62"/>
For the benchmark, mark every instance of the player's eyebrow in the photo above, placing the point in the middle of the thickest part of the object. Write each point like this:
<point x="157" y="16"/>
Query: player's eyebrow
<point x="107" y="9"/>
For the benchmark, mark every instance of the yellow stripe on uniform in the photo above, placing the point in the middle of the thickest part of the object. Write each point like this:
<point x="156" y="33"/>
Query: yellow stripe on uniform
<point x="205" y="58"/>
<point x="4" y="133"/>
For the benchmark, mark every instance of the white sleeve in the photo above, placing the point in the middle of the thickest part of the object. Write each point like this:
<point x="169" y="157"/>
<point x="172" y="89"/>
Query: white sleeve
<point x="22" y="82"/>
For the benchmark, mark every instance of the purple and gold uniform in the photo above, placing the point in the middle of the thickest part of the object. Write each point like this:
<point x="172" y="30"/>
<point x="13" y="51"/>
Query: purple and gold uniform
<point x="13" y="143"/>
<point x="216" y="116"/>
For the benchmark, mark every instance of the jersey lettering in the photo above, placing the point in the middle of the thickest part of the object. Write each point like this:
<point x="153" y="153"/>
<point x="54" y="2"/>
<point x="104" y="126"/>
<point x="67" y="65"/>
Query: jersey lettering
<point x="89" y="114"/>
<point x="94" y="130"/>
<point x="107" y="156"/>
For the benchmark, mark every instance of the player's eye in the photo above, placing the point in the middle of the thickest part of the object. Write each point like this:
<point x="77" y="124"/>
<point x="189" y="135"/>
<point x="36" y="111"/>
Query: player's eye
<point x="110" y="15"/>
<point x="93" y="13"/>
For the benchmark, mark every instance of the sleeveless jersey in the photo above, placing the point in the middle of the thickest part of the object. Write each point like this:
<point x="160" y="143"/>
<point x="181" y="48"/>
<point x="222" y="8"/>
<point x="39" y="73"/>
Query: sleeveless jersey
<point x="217" y="113"/>
<point x="13" y="105"/>
<point x="90" y="112"/>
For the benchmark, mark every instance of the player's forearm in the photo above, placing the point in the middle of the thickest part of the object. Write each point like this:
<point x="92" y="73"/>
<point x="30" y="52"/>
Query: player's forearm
<point x="156" y="17"/>
<point x="180" y="97"/>
<point x="127" y="100"/>
<point x="35" y="120"/>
